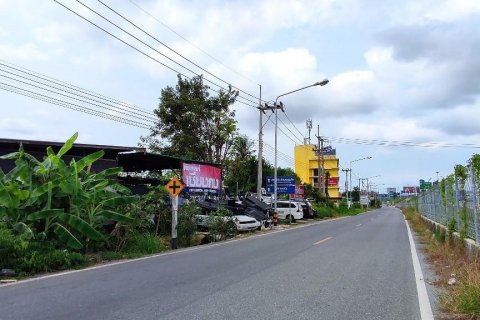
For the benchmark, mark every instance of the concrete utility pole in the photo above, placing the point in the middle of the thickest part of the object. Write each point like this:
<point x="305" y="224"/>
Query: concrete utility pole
<point x="321" y="163"/>
<point x="347" y="185"/>
<point x="260" y="146"/>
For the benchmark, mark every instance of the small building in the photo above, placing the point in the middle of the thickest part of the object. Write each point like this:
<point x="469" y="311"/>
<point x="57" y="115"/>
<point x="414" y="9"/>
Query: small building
<point x="307" y="162"/>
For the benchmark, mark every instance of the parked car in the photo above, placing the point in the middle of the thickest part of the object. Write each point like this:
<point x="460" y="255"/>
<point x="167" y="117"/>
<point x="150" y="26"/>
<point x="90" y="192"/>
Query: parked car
<point x="242" y="221"/>
<point x="289" y="210"/>
<point x="308" y="211"/>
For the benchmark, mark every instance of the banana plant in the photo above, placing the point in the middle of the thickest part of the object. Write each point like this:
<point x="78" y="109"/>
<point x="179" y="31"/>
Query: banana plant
<point x="64" y="198"/>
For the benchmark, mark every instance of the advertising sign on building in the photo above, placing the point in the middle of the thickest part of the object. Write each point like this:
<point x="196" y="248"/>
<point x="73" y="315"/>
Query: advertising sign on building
<point x="201" y="177"/>
<point x="332" y="181"/>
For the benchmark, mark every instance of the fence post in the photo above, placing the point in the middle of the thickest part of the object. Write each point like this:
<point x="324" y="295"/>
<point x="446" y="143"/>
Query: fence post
<point x="475" y="204"/>
<point x="457" y="205"/>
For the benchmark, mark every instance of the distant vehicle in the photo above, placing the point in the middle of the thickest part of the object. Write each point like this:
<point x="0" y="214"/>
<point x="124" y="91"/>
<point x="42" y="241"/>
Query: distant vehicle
<point x="289" y="210"/>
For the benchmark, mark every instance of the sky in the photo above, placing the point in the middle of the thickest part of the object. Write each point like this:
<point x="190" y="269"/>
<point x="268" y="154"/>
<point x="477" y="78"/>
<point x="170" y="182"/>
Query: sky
<point x="399" y="71"/>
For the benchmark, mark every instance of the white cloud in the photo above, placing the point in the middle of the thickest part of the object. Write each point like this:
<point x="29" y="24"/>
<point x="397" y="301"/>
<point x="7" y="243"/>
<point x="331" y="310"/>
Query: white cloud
<point x="27" y="51"/>
<point x="53" y="33"/>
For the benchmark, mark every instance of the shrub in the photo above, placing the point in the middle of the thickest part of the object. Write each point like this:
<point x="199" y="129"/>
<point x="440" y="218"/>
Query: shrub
<point x="141" y="244"/>
<point x="221" y="225"/>
<point x="186" y="226"/>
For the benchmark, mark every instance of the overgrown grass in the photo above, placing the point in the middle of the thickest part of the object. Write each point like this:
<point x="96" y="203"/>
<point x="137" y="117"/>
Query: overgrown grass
<point x="450" y="257"/>
<point x="332" y="211"/>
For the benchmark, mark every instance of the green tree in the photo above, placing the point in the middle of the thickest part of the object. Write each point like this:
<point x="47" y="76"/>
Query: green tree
<point x="192" y="124"/>
<point x="241" y="166"/>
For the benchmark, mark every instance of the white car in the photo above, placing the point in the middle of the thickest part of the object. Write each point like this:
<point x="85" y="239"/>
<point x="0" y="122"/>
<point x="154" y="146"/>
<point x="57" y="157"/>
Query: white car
<point x="242" y="222"/>
<point x="289" y="210"/>
<point x="245" y="223"/>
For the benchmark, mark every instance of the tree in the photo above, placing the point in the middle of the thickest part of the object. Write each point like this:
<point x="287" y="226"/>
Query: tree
<point x="240" y="169"/>
<point x="192" y="124"/>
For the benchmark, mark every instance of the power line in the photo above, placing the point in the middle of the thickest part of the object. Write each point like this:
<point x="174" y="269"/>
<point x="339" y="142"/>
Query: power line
<point x="301" y="134"/>
<point x="286" y="135"/>
<point x="142" y="42"/>
<point x="105" y="105"/>
<point x="191" y="43"/>
<point x="387" y="143"/>
<point x="69" y="105"/>
<point x="71" y="86"/>
<point x="290" y="131"/>
<point x="171" y="49"/>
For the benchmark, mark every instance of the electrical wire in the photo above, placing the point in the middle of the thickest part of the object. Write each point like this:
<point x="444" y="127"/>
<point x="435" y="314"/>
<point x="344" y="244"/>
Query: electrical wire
<point x="285" y="113"/>
<point x="387" y="143"/>
<point x="105" y="105"/>
<point x="171" y="49"/>
<point x="140" y="51"/>
<point x="68" y="105"/>
<point x="283" y="123"/>
<point x="191" y="43"/>
<point x="70" y="86"/>
<point x="142" y="42"/>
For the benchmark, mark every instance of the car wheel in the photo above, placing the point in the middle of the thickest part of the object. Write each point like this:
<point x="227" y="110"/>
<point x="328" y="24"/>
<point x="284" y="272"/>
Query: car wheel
<point x="290" y="218"/>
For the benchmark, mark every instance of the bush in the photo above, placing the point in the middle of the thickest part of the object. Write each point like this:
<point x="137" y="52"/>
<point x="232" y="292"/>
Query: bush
<point x="141" y="244"/>
<point x="29" y="257"/>
<point x="221" y="225"/>
<point x="186" y="226"/>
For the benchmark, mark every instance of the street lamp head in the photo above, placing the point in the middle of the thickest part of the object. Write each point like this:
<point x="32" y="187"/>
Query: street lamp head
<point x="321" y="83"/>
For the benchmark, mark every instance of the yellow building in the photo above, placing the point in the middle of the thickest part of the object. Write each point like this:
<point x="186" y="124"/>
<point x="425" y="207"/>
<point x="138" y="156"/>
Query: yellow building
<point x="307" y="164"/>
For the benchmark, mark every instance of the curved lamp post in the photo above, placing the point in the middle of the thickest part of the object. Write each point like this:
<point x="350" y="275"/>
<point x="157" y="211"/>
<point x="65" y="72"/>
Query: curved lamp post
<point x="276" y="106"/>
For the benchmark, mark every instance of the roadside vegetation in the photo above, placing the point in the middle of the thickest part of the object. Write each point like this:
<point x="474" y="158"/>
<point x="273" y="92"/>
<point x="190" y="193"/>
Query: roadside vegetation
<point x="461" y="298"/>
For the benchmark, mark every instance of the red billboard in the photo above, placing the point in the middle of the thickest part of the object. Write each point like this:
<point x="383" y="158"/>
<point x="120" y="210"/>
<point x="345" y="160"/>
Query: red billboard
<point x="332" y="181"/>
<point x="201" y="176"/>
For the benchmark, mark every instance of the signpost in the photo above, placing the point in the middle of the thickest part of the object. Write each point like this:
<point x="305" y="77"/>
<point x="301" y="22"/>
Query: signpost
<point x="174" y="187"/>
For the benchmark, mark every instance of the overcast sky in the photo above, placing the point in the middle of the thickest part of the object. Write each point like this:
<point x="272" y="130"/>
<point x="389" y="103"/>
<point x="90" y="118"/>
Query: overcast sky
<point x="404" y="71"/>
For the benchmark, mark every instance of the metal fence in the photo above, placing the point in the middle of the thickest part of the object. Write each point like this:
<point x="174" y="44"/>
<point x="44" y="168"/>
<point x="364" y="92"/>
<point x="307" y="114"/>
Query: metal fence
<point x="455" y="203"/>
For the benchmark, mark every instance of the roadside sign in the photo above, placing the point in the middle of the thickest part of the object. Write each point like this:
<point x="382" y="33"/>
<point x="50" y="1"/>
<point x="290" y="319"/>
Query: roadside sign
<point x="281" y="189"/>
<point x="285" y="184"/>
<point x="425" y="185"/>
<point x="174" y="186"/>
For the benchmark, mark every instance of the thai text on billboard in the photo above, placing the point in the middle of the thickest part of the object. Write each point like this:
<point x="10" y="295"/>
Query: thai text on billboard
<point x="201" y="176"/>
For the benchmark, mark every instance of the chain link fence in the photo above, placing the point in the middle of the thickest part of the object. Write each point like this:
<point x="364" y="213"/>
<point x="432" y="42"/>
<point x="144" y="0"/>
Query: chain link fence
<point x="455" y="203"/>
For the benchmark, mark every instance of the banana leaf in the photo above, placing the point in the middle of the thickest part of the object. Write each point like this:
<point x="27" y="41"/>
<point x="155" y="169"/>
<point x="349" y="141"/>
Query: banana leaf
<point x="5" y="197"/>
<point x="24" y="230"/>
<point x="119" y="201"/>
<point x="66" y="236"/>
<point x="81" y="226"/>
<point x="45" y="214"/>
<point x="109" y="172"/>
<point x="88" y="160"/>
<point x="116" y="216"/>
<point x="68" y="145"/>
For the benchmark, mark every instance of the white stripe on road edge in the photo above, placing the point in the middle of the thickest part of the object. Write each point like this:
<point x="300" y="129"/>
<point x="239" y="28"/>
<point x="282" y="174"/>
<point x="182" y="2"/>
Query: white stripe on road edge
<point x="423" y="301"/>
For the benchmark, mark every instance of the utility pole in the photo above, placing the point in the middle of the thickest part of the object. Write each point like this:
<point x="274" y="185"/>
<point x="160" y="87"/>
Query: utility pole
<point x="347" y="185"/>
<point x="260" y="147"/>
<point x="321" y="163"/>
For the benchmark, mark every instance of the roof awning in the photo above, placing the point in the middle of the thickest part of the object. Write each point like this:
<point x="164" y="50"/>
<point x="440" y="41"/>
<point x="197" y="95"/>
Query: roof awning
<point x="142" y="161"/>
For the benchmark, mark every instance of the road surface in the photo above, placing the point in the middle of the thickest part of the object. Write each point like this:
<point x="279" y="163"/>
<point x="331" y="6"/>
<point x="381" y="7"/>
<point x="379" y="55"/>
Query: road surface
<point x="352" y="268"/>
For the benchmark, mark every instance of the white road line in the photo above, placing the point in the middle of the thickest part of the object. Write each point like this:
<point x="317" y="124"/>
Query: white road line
<point x="322" y="241"/>
<point x="423" y="301"/>
<point x="358" y="225"/>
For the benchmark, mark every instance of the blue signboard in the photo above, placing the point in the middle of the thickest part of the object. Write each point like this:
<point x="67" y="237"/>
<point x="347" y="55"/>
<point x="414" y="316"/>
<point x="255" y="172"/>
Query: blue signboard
<point x="285" y="184"/>
<point x="281" y="180"/>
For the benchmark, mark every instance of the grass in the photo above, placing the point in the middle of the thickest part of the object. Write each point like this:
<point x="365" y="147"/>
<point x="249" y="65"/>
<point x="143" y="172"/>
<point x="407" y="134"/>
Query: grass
<point x="449" y="257"/>
<point x="341" y="211"/>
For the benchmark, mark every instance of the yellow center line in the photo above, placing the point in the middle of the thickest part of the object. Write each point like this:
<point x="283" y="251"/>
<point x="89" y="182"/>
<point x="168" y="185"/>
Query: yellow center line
<point x="322" y="241"/>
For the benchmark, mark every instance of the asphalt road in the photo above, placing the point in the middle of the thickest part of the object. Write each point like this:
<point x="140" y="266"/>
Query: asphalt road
<point x="352" y="268"/>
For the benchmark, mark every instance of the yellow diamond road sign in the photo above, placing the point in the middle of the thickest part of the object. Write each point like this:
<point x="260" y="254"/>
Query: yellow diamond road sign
<point x="174" y="186"/>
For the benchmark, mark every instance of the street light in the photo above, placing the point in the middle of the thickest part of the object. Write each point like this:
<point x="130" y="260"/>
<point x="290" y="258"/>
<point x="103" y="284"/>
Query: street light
<point x="276" y="106"/>
<point x="350" y="182"/>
